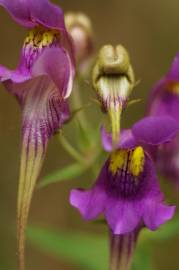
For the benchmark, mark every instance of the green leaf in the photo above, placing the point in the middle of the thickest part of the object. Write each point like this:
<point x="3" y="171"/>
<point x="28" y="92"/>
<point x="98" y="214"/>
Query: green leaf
<point x="90" y="252"/>
<point x="87" y="251"/>
<point x="67" y="173"/>
<point x="143" y="258"/>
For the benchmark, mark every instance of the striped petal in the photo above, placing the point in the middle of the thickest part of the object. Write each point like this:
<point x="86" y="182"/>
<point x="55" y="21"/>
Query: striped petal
<point x="43" y="113"/>
<point x="53" y="62"/>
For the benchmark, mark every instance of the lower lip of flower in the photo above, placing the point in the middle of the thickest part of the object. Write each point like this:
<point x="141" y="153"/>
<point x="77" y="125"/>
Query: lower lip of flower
<point x="125" y="170"/>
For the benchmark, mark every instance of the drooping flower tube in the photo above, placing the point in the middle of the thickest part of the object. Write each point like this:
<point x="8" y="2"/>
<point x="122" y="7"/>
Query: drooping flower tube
<point x="164" y="100"/>
<point x="127" y="192"/>
<point x="113" y="81"/>
<point x="42" y="82"/>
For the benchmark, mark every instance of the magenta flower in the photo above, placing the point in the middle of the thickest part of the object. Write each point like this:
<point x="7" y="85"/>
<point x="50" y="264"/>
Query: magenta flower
<point x="41" y="83"/>
<point x="164" y="100"/>
<point x="127" y="191"/>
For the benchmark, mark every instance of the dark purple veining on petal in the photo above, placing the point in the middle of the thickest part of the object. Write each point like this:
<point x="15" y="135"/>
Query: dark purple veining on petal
<point x="124" y="184"/>
<point x="125" y="207"/>
<point x="43" y="110"/>
<point x="37" y="40"/>
<point x="43" y="113"/>
<point x="121" y="250"/>
<point x="47" y="32"/>
<point x="41" y="83"/>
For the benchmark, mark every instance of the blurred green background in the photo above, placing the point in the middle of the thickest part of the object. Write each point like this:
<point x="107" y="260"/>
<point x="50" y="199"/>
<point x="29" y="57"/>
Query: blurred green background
<point x="149" y="30"/>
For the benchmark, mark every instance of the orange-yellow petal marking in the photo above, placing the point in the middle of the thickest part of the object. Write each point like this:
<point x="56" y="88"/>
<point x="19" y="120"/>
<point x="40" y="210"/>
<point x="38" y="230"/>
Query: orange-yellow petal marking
<point x="137" y="161"/>
<point x="173" y="87"/>
<point x="131" y="161"/>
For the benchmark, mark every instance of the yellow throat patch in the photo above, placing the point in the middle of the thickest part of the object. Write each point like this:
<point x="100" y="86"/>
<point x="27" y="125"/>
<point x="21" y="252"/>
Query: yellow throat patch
<point x="173" y="87"/>
<point x="131" y="161"/>
<point x="41" y="37"/>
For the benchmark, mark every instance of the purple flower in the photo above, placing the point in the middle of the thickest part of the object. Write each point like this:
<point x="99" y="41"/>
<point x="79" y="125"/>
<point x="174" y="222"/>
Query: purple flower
<point x="41" y="83"/>
<point x="127" y="191"/>
<point x="164" y="100"/>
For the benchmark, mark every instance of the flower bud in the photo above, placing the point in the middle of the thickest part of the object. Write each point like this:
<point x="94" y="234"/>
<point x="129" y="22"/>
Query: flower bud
<point x="113" y="80"/>
<point x="80" y="28"/>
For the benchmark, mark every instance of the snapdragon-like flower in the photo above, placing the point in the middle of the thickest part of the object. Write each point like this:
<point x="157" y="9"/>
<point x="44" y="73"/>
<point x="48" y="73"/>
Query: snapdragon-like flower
<point x="164" y="100"/>
<point x="113" y="80"/>
<point x="41" y="83"/>
<point x="127" y="192"/>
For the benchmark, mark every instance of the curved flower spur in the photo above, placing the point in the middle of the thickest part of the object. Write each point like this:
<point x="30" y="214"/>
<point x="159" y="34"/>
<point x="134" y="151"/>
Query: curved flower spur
<point x="41" y="83"/>
<point x="113" y="80"/>
<point x="127" y="191"/>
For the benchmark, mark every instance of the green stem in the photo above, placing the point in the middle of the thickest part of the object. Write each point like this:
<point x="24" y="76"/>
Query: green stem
<point x="77" y="103"/>
<point x="115" y="118"/>
<point x="70" y="149"/>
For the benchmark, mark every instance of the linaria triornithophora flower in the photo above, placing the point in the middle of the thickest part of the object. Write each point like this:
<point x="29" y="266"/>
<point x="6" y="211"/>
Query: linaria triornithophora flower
<point x="41" y="83"/>
<point x="127" y="191"/>
<point x="164" y="100"/>
<point x="113" y="80"/>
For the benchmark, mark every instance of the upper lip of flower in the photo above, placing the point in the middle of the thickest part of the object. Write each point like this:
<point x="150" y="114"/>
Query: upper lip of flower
<point x="30" y="13"/>
<point x="151" y="130"/>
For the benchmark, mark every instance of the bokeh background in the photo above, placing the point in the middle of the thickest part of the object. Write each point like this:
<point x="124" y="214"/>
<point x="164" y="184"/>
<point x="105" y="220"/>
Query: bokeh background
<point x="149" y="30"/>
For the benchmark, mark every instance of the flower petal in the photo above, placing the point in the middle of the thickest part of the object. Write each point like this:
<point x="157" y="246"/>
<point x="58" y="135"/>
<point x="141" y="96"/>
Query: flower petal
<point x="124" y="213"/>
<point x="57" y="65"/>
<point x="123" y="216"/>
<point x="127" y="140"/>
<point x="155" y="130"/>
<point x="16" y="76"/>
<point x="30" y="13"/>
<point x="106" y="140"/>
<point x="164" y="103"/>
<point x="89" y="203"/>
<point x="43" y="114"/>
<point x="173" y="74"/>
<point x="53" y="62"/>
<point x="155" y="214"/>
